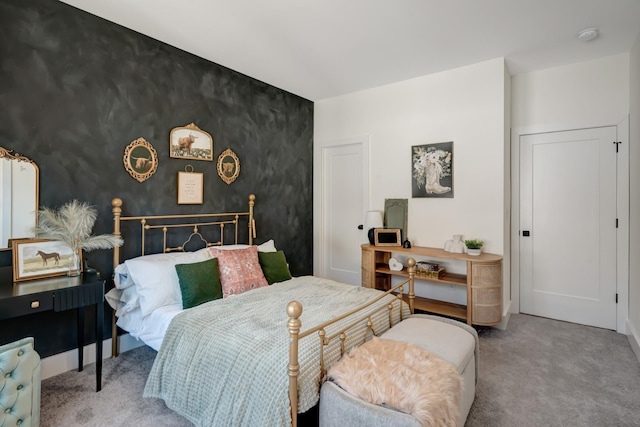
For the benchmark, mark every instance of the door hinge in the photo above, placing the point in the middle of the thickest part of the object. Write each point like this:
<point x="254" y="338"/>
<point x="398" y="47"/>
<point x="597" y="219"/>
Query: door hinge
<point x="617" y="143"/>
<point x="616" y="222"/>
<point x="616" y="298"/>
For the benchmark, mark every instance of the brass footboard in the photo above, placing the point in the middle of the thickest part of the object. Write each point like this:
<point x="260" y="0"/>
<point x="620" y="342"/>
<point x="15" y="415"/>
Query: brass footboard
<point x="294" y="311"/>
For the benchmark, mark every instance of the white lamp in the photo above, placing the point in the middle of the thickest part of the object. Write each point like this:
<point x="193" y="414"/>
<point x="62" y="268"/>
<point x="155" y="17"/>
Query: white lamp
<point x="372" y="219"/>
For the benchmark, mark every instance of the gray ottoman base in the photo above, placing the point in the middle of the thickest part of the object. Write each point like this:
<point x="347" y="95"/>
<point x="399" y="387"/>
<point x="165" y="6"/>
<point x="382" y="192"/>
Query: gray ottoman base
<point x="453" y="341"/>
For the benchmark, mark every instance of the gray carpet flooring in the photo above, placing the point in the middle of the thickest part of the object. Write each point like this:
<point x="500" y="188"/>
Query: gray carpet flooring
<point x="538" y="372"/>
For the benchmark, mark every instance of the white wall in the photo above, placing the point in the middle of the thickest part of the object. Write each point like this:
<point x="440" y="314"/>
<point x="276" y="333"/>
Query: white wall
<point x="466" y="105"/>
<point x="634" y="200"/>
<point x="588" y="94"/>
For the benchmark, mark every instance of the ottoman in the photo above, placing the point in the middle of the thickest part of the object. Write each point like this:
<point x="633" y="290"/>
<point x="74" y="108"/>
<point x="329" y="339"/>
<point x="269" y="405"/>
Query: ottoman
<point x="453" y="341"/>
<point x="19" y="384"/>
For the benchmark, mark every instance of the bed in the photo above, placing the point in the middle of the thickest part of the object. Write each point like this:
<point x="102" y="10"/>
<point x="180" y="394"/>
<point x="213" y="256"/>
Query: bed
<point x="239" y="356"/>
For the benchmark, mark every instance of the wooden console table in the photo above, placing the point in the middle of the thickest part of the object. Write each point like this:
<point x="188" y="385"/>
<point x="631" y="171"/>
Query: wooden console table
<point x="57" y="294"/>
<point x="483" y="281"/>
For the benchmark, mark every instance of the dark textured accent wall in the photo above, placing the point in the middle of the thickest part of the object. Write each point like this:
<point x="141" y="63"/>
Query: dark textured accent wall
<point x="75" y="90"/>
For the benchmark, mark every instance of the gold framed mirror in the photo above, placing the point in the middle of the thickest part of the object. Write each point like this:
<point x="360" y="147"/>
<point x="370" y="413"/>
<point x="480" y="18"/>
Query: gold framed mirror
<point x="396" y="215"/>
<point x="19" y="196"/>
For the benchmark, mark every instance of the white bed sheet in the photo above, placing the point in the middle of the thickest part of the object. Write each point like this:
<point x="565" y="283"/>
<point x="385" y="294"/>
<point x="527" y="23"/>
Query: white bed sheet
<point x="149" y="329"/>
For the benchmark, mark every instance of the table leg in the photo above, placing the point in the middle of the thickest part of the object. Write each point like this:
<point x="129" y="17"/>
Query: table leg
<point x="80" y="338"/>
<point x="99" y="332"/>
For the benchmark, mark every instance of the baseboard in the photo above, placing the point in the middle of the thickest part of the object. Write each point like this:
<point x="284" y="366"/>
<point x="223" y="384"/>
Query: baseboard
<point x="506" y="315"/>
<point x="634" y="339"/>
<point x="68" y="361"/>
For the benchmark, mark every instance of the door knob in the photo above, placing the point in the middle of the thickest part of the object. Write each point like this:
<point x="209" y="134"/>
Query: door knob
<point x="361" y="227"/>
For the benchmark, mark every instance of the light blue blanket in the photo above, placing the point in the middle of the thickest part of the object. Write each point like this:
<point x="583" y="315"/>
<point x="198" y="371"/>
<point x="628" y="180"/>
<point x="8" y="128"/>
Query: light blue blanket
<point x="224" y="363"/>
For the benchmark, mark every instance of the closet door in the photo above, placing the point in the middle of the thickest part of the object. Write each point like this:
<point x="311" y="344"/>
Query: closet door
<point x="568" y="226"/>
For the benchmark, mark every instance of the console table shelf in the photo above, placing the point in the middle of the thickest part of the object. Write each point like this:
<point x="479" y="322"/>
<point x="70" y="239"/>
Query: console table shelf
<point x="441" y="307"/>
<point x="483" y="281"/>
<point x="450" y="278"/>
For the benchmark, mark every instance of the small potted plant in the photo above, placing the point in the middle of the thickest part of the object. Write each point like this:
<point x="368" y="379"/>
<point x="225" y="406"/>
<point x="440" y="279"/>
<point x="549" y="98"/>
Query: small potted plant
<point x="474" y="246"/>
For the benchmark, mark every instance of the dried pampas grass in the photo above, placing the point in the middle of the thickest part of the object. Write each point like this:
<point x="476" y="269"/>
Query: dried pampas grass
<point x="72" y="223"/>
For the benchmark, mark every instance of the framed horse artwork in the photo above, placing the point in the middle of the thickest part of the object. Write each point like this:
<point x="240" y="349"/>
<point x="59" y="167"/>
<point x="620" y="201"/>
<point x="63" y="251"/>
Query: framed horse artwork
<point x="40" y="258"/>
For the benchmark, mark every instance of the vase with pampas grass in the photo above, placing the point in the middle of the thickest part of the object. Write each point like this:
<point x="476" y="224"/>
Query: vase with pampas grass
<point x="72" y="224"/>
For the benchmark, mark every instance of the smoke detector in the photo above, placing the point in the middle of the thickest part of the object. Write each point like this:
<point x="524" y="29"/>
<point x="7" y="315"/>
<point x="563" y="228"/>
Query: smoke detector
<point x="588" y="34"/>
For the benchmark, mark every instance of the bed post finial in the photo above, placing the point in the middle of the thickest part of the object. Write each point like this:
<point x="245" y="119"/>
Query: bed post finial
<point x="411" y="269"/>
<point x="252" y="221"/>
<point x="116" y="209"/>
<point x="294" y="311"/>
<point x="117" y="212"/>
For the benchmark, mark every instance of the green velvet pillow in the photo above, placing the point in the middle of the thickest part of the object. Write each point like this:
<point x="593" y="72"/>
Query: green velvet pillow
<point x="274" y="266"/>
<point x="199" y="282"/>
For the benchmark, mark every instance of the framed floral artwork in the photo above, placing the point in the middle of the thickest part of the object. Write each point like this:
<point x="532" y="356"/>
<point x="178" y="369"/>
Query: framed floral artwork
<point x="432" y="170"/>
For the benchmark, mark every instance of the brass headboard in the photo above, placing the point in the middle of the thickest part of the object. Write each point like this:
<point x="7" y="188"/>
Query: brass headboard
<point x="193" y="222"/>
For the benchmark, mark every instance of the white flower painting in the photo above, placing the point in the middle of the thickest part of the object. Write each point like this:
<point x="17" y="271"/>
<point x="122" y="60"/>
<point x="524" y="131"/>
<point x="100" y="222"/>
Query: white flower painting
<point x="432" y="170"/>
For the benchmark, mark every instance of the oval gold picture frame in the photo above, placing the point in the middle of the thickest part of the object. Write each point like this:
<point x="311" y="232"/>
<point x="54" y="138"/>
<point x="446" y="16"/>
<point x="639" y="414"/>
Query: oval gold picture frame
<point x="228" y="166"/>
<point x="140" y="159"/>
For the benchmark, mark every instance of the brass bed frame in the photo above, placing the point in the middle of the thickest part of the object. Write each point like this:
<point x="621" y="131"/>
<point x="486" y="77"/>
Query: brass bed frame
<point x="196" y="222"/>
<point x="164" y="223"/>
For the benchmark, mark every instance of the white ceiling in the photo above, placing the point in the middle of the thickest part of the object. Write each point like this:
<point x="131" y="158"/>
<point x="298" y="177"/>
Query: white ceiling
<point x="319" y="49"/>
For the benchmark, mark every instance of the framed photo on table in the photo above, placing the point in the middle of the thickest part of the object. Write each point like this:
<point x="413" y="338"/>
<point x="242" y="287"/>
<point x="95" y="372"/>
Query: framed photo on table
<point x="40" y="258"/>
<point x="387" y="237"/>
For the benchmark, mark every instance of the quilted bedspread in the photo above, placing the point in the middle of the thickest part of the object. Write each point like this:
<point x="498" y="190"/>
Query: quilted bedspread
<point x="224" y="363"/>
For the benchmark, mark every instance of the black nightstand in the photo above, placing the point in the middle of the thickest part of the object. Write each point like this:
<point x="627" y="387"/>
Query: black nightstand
<point x="57" y="294"/>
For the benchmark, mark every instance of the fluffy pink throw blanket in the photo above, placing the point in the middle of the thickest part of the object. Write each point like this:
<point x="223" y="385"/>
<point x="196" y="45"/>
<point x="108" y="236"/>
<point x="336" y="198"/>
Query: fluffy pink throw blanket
<point x="404" y="376"/>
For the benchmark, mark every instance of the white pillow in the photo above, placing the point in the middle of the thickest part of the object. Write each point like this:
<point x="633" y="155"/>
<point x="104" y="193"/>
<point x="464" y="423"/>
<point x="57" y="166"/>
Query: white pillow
<point x="230" y="247"/>
<point x="123" y="300"/>
<point x="156" y="280"/>
<point x="267" y="246"/>
<point x="121" y="277"/>
<point x="113" y="298"/>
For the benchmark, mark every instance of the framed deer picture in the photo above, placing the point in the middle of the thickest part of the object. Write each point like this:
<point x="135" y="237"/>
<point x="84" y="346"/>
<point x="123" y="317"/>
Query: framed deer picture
<point x="190" y="142"/>
<point x="39" y="258"/>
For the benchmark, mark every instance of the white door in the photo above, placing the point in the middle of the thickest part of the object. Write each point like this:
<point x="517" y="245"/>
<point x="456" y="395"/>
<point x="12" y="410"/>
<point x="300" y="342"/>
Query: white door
<point x="568" y="210"/>
<point x="345" y="186"/>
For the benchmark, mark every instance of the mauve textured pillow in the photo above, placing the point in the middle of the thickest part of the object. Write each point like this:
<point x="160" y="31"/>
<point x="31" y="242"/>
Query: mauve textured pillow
<point x="239" y="269"/>
<point x="199" y="282"/>
<point x="274" y="266"/>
